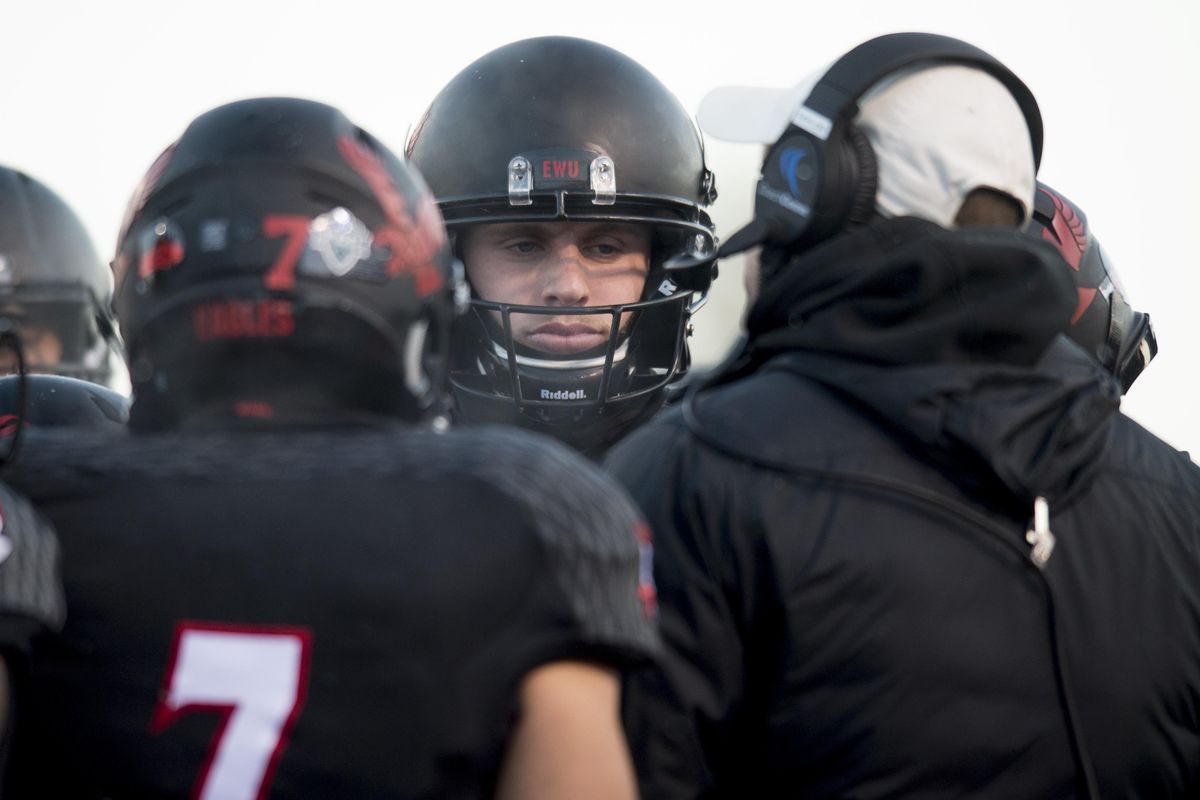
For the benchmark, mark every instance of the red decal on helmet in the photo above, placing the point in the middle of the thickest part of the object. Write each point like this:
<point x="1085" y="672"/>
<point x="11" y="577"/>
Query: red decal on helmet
<point x="243" y="319"/>
<point x="8" y="424"/>
<point x="1068" y="228"/>
<point x="560" y="168"/>
<point x="137" y="202"/>
<point x="163" y="254"/>
<point x="413" y="241"/>
<point x="282" y="274"/>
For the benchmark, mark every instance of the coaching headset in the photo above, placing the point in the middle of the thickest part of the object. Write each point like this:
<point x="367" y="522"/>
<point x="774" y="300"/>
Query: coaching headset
<point x="820" y="175"/>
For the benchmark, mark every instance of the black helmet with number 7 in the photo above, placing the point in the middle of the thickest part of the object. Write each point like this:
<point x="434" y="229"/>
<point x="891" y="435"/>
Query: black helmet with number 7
<point x="1121" y="339"/>
<point x="558" y="129"/>
<point x="54" y="289"/>
<point x="279" y="263"/>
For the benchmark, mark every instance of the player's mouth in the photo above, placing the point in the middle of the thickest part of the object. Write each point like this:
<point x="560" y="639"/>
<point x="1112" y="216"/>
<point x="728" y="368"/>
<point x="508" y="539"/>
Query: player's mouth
<point x="566" y="337"/>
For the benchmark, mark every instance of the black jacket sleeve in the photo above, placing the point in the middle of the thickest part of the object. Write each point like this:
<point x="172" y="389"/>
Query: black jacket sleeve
<point x="681" y="715"/>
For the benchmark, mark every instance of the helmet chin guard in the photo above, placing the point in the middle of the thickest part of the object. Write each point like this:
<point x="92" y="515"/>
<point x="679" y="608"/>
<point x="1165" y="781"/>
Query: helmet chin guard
<point x="490" y="363"/>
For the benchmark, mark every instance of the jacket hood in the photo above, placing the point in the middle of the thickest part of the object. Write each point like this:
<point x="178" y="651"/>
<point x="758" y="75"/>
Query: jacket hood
<point x="951" y="338"/>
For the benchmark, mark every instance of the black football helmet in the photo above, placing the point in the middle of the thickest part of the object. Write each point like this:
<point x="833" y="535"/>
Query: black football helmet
<point x="1103" y="323"/>
<point x="54" y="401"/>
<point x="279" y="263"/>
<point x="40" y="401"/>
<point x="53" y="285"/>
<point x="564" y="129"/>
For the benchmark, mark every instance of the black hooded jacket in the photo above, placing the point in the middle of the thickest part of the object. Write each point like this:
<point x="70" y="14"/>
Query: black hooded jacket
<point x="846" y="575"/>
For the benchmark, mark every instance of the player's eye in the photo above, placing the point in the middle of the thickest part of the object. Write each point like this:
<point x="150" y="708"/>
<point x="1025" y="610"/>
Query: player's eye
<point x="522" y="246"/>
<point x="606" y="249"/>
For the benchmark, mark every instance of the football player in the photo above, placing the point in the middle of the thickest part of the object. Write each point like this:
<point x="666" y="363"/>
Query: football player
<point x="288" y="580"/>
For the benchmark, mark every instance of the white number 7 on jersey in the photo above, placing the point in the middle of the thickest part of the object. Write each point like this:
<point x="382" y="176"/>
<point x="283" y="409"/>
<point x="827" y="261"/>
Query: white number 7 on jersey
<point x="256" y="678"/>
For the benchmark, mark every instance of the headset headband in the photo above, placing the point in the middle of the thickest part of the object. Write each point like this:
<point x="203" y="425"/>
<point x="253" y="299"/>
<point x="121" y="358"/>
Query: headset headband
<point x="835" y="97"/>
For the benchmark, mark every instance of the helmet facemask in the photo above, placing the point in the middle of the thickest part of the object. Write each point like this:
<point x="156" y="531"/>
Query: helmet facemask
<point x="63" y="331"/>
<point x="643" y="347"/>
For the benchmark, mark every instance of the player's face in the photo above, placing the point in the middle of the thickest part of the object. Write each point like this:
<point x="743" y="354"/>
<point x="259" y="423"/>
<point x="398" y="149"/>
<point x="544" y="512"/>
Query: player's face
<point x="40" y="346"/>
<point x="559" y="264"/>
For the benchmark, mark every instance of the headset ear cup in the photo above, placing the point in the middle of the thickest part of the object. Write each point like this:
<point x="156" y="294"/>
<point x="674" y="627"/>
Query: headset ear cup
<point x="862" y="206"/>
<point x="788" y="197"/>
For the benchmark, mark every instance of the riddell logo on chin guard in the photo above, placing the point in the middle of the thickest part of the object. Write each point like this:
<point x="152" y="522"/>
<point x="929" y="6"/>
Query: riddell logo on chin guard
<point x="563" y="394"/>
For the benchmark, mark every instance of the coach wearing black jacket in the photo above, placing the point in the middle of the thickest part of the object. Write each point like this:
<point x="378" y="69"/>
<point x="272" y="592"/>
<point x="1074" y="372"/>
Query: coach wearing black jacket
<point x="907" y="545"/>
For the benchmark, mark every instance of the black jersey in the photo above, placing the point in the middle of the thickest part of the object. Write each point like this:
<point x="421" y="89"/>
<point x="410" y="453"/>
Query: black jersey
<point x="339" y="614"/>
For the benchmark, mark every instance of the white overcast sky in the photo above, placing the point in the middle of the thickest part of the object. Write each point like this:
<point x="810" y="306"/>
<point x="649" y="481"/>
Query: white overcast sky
<point x="92" y="91"/>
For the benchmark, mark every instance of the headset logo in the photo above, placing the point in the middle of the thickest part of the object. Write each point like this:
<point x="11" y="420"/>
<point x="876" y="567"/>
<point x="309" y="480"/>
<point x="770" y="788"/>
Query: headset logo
<point x="789" y="165"/>
<point x="782" y="198"/>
